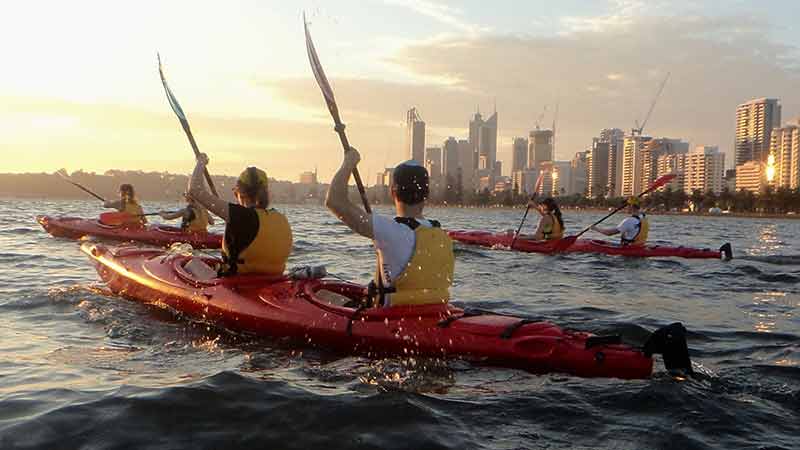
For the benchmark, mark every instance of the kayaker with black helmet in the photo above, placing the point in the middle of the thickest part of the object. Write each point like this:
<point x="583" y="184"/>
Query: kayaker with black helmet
<point x="194" y="217"/>
<point x="128" y="204"/>
<point x="415" y="256"/>
<point x="633" y="230"/>
<point x="257" y="239"/>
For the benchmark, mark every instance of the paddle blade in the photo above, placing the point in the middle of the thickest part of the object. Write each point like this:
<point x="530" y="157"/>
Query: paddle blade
<point x="319" y="74"/>
<point x="564" y="243"/>
<point x="173" y="102"/>
<point x="661" y="181"/>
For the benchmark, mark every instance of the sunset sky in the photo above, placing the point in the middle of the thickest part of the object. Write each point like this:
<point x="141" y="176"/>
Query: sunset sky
<point x="80" y="89"/>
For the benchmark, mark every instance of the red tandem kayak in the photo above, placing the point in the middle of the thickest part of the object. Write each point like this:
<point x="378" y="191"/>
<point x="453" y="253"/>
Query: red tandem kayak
<point x="489" y="239"/>
<point x="76" y="228"/>
<point x="296" y="309"/>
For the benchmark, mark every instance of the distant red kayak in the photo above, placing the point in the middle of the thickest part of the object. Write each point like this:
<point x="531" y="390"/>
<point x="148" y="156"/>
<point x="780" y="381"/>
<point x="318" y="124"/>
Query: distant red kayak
<point x="298" y="310"/>
<point x="489" y="239"/>
<point x="76" y="228"/>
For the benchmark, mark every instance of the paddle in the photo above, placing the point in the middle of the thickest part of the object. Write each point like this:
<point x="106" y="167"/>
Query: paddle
<point x="65" y="178"/>
<point x="565" y="243"/>
<point x="176" y="107"/>
<point x="524" y="216"/>
<point x="327" y="93"/>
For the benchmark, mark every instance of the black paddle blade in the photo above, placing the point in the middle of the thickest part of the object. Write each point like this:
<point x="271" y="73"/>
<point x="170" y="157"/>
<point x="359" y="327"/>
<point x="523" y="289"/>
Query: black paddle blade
<point x="670" y="342"/>
<point x="727" y="251"/>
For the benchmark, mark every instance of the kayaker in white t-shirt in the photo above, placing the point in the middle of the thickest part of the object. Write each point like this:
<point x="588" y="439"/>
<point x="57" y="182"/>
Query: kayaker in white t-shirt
<point x="415" y="256"/>
<point x="633" y="230"/>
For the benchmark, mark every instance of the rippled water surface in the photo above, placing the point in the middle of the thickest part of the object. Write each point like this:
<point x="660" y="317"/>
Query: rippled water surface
<point x="80" y="368"/>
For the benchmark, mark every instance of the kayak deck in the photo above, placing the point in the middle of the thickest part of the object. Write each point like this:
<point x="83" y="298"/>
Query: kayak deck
<point x="503" y="240"/>
<point x="76" y="228"/>
<point x="284" y="308"/>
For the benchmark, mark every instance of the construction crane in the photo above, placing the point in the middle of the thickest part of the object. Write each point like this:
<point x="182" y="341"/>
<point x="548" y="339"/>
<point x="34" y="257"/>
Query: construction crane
<point x="638" y="130"/>
<point x="541" y="116"/>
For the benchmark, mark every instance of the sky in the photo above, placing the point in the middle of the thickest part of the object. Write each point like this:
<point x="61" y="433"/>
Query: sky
<point x="79" y="87"/>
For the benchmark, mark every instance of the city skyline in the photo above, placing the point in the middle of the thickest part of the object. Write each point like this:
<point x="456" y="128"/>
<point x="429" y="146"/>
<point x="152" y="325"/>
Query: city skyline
<point x="82" y="102"/>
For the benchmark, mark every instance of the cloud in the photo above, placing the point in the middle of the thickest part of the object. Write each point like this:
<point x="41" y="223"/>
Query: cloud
<point x="445" y="14"/>
<point x="603" y="77"/>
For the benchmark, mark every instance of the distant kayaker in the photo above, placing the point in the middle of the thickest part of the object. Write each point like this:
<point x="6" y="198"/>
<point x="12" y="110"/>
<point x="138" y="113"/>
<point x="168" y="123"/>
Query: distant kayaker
<point x="194" y="217"/>
<point x="257" y="239"/>
<point x="633" y="230"/>
<point x="551" y="224"/>
<point x="128" y="204"/>
<point x="415" y="256"/>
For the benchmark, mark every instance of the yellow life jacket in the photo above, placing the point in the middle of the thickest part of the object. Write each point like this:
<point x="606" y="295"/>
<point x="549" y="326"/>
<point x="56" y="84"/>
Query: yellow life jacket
<point x="269" y="250"/>
<point x="198" y="222"/>
<point x="134" y="211"/>
<point x="554" y="230"/>
<point x="429" y="273"/>
<point x="644" y="230"/>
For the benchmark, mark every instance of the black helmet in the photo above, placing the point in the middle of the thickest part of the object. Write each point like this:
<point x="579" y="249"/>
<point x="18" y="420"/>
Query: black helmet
<point x="410" y="182"/>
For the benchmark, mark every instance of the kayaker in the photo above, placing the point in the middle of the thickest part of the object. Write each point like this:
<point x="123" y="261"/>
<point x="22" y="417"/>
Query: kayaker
<point x="551" y="225"/>
<point x="257" y="239"/>
<point x="633" y="230"/>
<point x="415" y="256"/>
<point x="194" y="218"/>
<point x="128" y="204"/>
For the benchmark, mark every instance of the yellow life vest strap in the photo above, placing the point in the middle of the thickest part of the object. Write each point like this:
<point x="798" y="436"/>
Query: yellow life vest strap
<point x="639" y="220"/>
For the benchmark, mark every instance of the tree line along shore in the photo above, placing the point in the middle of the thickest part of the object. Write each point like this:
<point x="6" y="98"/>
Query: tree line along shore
<point x="161" y="186"/>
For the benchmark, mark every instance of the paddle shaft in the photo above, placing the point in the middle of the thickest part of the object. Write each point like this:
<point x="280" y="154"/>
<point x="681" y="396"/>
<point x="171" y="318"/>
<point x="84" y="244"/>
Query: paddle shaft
<point x="527" y="209"/>
<point x="356" y="175"/>
<point x="658" y="183"/>
<point x="196" y="150"/>
<point x="84" y="189"/>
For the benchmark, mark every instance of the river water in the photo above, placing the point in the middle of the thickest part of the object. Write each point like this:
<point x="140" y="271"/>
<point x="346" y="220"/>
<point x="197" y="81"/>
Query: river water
<point x="80" y="368"/>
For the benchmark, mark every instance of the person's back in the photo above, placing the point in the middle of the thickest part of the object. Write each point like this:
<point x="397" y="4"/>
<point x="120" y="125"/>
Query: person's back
<point x="257" y="239"/>
<point x="415" y="256"/>
<point x="633" y="230"/>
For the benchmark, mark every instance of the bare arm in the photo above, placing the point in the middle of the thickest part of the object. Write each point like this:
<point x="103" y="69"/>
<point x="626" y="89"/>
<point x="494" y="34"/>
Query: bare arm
<point x="197" y="189"/>
<point x="339" y="203"/>
<point x="606" y="231"/>
<point x="166" y="215"/>
<point x="116" y="204"/>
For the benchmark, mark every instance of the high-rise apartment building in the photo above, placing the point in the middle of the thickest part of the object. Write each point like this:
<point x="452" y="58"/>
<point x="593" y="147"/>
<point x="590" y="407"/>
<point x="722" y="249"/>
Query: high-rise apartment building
<point x="653" y="150"/>
<point x="615" y="138"/>
<point x="751" y="176"/>
<point x="674" y="163"/>
<point x="579" y="170"/>
<point x="705" y="170"/>
<point x="754" y="123"/>
<point x="785" y="147"/>
<point x="519" y="154"/>
<point x="415" y="136"/>
<point x="633" y="164"/>
<point x="597" y="172"/>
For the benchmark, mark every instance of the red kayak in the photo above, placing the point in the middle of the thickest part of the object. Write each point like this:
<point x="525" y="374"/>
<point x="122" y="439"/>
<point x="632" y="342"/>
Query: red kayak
<point x="297" y="309"/>
<point x="489" y="239"/>
<point x="76" y="228"/>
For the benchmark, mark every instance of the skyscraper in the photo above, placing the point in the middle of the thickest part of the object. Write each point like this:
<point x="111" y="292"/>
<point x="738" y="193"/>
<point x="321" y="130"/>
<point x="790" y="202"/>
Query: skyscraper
<point x="597" y="168"/>
<point x="487" y="141"/>
<point x="754" y="123"/>
<point x="519" y="152"/>
<point x="705" y="169"/>
<point x="672" y="163"/>
<point x="433" y="162"/>
<point x="415" y="136"/>
<point x="468" y="165"/>
<point x="540" y="147"/>
<point x="450" y="161"/>
<point x="579" y="169"/>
